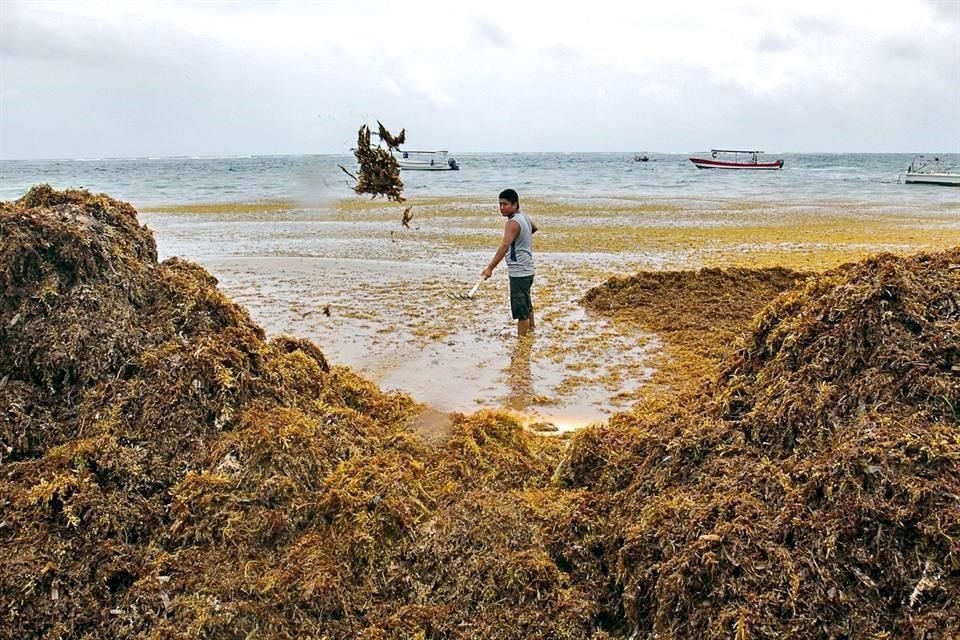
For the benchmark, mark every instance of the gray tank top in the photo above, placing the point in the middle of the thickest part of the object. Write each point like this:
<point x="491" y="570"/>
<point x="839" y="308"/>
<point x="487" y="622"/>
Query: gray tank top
<point x="520" y="254"/>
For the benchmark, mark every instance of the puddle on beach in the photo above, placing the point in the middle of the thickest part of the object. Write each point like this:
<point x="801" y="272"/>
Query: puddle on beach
<point x="386" y="288"/>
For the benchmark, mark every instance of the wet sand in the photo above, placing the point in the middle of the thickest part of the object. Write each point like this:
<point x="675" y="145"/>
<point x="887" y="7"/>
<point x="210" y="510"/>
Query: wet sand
<point x="386" y="287"/>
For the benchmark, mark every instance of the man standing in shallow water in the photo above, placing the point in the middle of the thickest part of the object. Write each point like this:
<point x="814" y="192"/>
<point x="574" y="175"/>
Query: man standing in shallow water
<point x="517" y="248"/>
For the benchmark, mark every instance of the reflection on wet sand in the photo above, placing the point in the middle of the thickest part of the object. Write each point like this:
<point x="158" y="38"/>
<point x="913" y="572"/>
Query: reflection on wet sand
<point x="519" y="376"/>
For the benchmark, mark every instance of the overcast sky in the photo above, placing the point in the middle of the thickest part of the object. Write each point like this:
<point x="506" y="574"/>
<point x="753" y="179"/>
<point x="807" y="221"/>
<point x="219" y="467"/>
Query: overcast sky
<point x="150" y="78"/>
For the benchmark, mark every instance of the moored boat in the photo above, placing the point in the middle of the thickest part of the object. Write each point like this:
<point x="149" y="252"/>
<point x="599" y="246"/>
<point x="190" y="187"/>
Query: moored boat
<point x="735" y="159"/>
<point x="923" y="170"/>
<point x="427" y="161"/>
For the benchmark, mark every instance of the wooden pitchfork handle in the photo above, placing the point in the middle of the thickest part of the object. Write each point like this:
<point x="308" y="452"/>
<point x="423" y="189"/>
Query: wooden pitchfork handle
<point x="475" y="287"/>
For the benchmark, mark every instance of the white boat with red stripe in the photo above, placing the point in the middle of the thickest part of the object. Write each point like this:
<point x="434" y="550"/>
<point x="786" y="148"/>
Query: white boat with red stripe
<point x="735" y="159"/>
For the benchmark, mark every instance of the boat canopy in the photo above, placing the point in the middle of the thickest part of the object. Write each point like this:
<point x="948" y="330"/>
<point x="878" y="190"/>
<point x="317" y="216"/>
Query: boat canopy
<point x="922" y="163"/>
<point x="733" y="151"/>
<point x="411" y="154"/>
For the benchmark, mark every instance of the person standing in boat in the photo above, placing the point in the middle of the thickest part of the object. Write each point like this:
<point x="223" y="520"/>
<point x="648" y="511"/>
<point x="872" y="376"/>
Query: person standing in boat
<point x="517" y="248"/>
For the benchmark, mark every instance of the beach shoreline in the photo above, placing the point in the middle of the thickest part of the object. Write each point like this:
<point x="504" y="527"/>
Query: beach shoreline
<point x="386" y="288"/>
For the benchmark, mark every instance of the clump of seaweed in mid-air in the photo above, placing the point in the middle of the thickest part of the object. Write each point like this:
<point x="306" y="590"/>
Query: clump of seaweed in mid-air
<point x="379" y="173"/>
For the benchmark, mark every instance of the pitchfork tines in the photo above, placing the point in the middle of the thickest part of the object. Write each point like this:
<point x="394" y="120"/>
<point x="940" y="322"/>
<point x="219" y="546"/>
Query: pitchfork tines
<point x="456" y="295"/>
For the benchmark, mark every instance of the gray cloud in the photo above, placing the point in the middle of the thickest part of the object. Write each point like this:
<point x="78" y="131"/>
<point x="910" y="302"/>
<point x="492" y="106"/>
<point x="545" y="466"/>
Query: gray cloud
<point x="906" y="50"/>
<point x="924" y="57"/>
<point x="946" y="10"/>
<point x="813" y="25"/>
<point x="771" y="43"/>
<point x="492" y="34"/>
<point x="107" y="42"/>
<point x="29" y="36"/>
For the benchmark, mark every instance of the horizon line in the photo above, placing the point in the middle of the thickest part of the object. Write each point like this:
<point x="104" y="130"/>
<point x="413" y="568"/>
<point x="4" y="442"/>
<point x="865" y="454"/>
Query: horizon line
<point x="235" y="156"/>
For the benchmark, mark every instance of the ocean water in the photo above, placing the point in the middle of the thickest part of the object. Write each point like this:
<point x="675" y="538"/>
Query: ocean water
<point x="865" y="179"/>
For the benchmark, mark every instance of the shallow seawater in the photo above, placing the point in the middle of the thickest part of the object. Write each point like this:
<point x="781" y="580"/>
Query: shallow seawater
<point x="387" y="288"/>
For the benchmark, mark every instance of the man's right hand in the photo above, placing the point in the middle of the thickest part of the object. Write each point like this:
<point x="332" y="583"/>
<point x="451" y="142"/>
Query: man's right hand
<point x="487" y="273"/>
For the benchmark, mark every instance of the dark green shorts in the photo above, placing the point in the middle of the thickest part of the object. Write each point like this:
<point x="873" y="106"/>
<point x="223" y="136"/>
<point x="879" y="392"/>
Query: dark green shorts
<point x="520" y="302"/>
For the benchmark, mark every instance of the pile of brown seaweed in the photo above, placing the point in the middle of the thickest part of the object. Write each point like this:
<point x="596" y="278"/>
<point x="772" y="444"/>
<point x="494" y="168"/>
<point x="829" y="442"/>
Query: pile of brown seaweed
<point x="814" y="490"/>
<point x="168" y="472"/>
<point x="697" y="314"/>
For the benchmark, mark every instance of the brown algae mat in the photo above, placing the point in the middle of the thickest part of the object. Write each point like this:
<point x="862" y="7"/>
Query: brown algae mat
<point x="698" y="314"/>
<point x="168" y="472"/>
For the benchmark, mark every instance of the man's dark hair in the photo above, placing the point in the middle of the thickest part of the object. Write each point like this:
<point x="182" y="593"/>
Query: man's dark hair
<point x="510" y="196"/>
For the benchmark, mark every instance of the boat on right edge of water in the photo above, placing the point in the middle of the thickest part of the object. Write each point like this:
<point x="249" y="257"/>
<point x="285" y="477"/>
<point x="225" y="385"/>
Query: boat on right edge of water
<point x="735" y="159"/>
<point x="923" y="170"/>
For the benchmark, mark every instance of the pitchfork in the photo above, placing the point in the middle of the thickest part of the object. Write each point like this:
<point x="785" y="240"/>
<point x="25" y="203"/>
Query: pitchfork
<point x="466" y="296"/>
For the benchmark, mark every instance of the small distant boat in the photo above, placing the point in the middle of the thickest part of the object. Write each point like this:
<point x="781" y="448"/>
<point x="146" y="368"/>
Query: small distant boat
<point x="641" y="157"/>
<point x="923" y="170"/>
<point x="735" y="159"/>
<point x="426" y="161"/>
